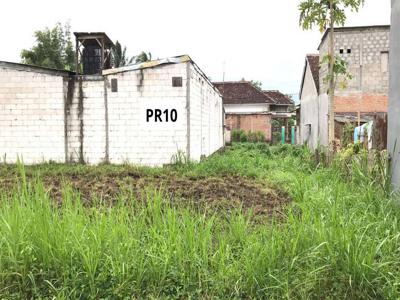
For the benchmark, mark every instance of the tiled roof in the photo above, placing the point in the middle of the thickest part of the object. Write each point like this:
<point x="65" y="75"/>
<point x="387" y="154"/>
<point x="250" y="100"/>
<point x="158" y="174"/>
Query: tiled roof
<point x="241" y="92"/>
<point x="278" y="98"/>
<point x="313" y="61"/>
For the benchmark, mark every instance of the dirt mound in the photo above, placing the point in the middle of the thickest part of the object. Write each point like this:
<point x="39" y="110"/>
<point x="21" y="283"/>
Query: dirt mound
<point x="217" y="193"/>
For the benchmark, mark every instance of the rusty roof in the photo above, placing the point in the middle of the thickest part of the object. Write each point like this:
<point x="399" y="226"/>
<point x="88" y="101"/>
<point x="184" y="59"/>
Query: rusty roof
<point x="93" y="36"/>
<point x="149" y="64"/>
<point x="34" y="68"/>
<point x="278" y="98"/>
<point x="241" y="92"/>
<point x="160" y="62"/>
<point x="313" y="62"/>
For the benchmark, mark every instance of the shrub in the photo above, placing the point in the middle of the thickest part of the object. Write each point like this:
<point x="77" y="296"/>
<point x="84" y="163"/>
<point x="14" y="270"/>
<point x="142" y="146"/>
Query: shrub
<point x="239" y="135"/>
<point x="348" y="134"/>
<point x="243" y="137"/>
<point x="236" y="134"/>
<point x="260" y="136"/>
<point x="252" y="137"/>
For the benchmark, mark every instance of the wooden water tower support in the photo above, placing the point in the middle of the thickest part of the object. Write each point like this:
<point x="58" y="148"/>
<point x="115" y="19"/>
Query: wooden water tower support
<point x="92" y="52"/>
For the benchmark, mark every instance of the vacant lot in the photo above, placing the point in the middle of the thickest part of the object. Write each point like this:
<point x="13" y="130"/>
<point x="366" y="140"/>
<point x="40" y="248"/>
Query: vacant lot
<point x="249" y="222"/>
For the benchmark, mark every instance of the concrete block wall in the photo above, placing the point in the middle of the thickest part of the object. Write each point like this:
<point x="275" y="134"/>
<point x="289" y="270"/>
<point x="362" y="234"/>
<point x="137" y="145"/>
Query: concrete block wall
<point x="368" y="65"/>
<point x="86" y="120"/>
<point x="131" y="139"/>
<point x="309" y="111"/>
<point x="394" y="104"/>
<point x="31" y="116"/>
<point x="49" y="115"/>
<point x="206" y="116"/>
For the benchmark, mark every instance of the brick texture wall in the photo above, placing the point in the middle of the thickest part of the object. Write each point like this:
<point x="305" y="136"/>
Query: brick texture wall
<point x="368" y="90"/>
<point x="80" y="119"/>
<point x="363" y="102"/>
<point x="130" y="138"/>
<point x="206" y="119"/>
<point x="251" y="122"/>
<point x="86" y="121"/>
<point x="31" y="116"/>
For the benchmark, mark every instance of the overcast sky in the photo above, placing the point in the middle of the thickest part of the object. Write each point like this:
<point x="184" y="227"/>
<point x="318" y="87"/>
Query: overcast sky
<point x="255" y="39"/>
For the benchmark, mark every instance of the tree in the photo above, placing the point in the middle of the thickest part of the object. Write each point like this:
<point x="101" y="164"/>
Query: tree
<point x="326" y="14"/>
<point x="257" y="84"/>
<point x="143" y="57"/>
<point x="53" y="49"/>
<point x="119" y="56"/>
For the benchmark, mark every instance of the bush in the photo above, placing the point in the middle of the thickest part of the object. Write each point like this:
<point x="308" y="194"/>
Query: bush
<point x="239" y="135"/>
<point x="236" y="134"/>
<point x="243" y="137"/>
<point x="260" y="136"/>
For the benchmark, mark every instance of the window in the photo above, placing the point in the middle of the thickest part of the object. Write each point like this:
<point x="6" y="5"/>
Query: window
<point x="341" y="51"/>
<point x="348" y="51"/>
<point x="114" y="85"/>
<point x="384" y="62"/>
<point x="176" y="81"/>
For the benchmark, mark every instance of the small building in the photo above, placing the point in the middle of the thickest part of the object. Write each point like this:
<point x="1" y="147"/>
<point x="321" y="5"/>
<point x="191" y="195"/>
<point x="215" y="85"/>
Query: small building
<point x="366" y="51"/>
<point x="282" y="110"/>
<point x="282" y="105"/>
<point x="394" y="102"/>
<point x="143" y="114"/>
<point x="246" y="107"/>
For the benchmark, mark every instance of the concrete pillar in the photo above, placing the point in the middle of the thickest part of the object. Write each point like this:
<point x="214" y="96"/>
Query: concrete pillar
<point x="394" y="94"/>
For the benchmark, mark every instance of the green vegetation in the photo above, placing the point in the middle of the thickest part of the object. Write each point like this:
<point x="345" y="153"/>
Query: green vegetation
<point x="339" y="237"/>
<point x="239" y="135"/>
<point x="119" y="56"/>
<point x="53" y="49"/>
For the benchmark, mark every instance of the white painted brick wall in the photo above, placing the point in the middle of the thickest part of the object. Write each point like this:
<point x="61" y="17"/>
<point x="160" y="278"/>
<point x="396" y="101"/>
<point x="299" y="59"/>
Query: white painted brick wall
<point x="31" y="116"/>
<point x="206" y="116"/>
<point x="91" y="90"/>
<point x="132" y="140"/>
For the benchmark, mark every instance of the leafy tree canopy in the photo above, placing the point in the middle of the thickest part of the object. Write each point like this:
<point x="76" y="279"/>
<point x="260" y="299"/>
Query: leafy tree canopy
<point x="143" y="57"/>
<point x="53" y="48"/>
<point x="317" y="12"/>
<point x="120" y="58"/>
<point x="257" y="84"/>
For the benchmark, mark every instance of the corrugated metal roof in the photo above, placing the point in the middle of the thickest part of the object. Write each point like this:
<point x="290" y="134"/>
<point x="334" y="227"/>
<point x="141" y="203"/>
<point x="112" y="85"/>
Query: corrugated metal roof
<point x="149" y="64"/>
<point x="33" y="68"/>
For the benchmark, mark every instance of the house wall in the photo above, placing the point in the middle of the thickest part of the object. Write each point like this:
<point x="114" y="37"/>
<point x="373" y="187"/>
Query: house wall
<point x="85" y="115"/>
<point x="131" y="138"/>
<point x="246" y="108"/>
<point x="323" y="119"/>
<point x="31" y="115"/>
<point x="367" y="91"/>
<point x="394" y="103"/>
<point x="206" y="116"/>
<point x="250" y="122"/>
<point x="309" y="114"/>
<point x="80" y="119"/>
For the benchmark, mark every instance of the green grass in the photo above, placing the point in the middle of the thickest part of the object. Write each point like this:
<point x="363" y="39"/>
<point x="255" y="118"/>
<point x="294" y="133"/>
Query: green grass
<point x="340" y="239"/>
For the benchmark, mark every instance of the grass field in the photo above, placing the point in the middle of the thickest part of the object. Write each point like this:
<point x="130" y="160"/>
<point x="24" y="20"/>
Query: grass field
<point x="251" y="222"/>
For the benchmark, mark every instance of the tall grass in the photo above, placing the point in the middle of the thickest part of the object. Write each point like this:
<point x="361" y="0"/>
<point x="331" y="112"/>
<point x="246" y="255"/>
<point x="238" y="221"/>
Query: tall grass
<point x="340" y="239"/>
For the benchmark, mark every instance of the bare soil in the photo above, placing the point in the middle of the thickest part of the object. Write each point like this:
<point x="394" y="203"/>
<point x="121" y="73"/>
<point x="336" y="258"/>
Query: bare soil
<point x="215" y="193"/>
